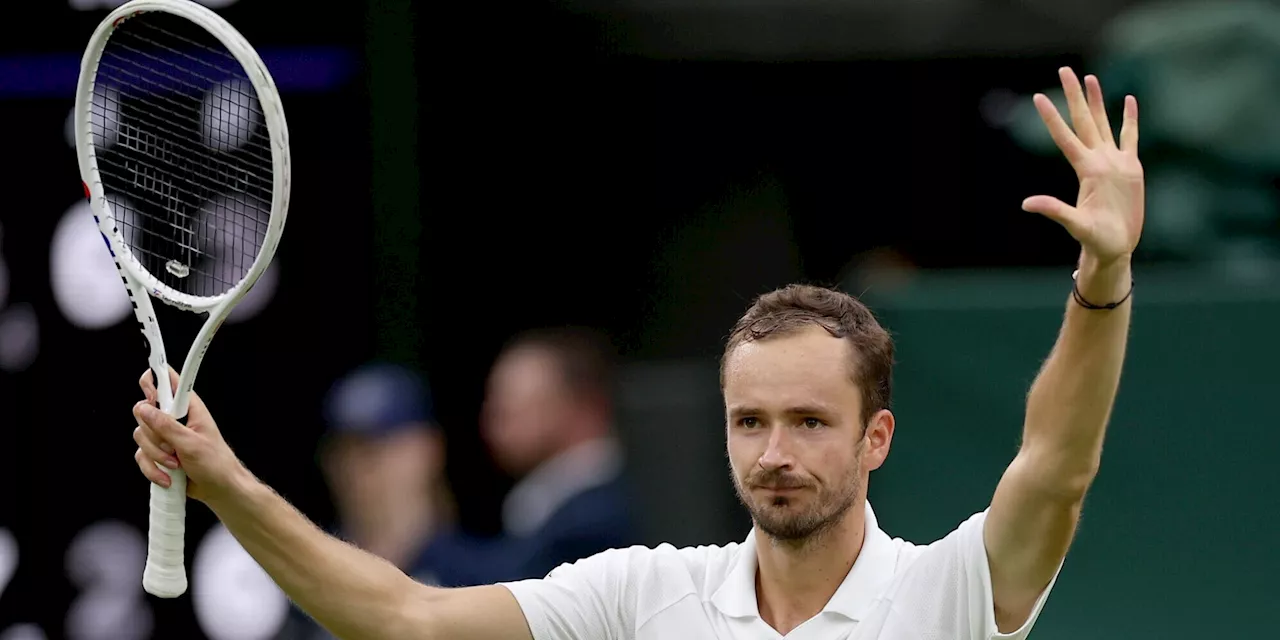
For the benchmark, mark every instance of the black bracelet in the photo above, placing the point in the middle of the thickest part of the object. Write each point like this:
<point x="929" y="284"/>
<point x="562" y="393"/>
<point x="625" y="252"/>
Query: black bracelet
<point x="1075" y="293"/>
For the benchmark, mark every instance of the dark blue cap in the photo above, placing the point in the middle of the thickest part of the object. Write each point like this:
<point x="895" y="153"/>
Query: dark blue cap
<point x="378" y="399"/>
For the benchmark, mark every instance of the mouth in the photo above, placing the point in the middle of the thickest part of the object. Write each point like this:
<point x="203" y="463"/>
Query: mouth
<point x="782" y="489"/>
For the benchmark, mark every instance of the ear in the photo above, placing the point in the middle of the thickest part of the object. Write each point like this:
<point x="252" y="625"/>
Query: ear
<point x="877" y="439"/>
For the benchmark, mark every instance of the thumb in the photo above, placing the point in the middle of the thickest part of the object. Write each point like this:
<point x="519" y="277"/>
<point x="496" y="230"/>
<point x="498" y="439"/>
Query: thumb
<point x="172" y="431"/>
<point x="1053" y="209"/>
<point x="196" y="411"/>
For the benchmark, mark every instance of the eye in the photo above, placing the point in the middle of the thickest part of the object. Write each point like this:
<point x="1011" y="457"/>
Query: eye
<point x="749" y="422"/>
<point x="813" y="423"/>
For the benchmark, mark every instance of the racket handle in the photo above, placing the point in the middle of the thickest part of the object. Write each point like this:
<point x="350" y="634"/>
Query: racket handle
<point x="165" y="575"/>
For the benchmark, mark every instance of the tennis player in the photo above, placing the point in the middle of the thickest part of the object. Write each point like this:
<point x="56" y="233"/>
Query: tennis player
<point x="806" y="383"/>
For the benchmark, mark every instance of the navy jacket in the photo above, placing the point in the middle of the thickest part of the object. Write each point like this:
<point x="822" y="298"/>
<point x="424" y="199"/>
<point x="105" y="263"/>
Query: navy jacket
<point x="593" y="520"/>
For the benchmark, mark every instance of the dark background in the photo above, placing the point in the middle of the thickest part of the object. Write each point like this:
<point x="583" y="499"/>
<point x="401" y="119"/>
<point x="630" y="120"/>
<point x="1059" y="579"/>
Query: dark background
<point x="482" y="168"/>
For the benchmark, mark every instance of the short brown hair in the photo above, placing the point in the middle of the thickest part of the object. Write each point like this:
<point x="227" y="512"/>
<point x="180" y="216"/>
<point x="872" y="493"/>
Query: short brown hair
<point x="584" y="356"/>
<point x="796" y="306"/>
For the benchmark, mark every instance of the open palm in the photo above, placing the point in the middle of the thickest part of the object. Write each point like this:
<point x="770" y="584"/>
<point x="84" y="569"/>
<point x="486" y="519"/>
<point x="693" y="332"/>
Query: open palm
<point x="1107" y="217"/>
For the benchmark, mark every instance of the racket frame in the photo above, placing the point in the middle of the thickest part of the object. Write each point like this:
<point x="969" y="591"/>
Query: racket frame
<point x="165" y="572"/>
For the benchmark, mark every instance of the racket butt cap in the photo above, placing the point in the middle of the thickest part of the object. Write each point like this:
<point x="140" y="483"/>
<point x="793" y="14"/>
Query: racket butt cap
<point x="163" y="584"/>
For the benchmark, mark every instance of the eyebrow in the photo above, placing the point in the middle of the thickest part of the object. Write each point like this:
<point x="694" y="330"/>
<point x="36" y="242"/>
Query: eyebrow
<point x="807" y="410"/>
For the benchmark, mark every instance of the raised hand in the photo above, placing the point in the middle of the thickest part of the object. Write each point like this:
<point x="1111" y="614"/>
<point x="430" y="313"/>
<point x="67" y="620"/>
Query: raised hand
<point x="197" y="448"/>
<point x="1107" y="217"/>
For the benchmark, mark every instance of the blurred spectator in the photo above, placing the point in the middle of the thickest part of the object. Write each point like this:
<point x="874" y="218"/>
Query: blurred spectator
<point x="548" y="420"/>
<point x="384" y="462"/>
<point x="383" y="458"/>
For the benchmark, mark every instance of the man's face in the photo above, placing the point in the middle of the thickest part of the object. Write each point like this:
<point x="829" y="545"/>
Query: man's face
<point x="795" y="437"/>
<point x="524" y="406"/>
<point x="373" y="478"/>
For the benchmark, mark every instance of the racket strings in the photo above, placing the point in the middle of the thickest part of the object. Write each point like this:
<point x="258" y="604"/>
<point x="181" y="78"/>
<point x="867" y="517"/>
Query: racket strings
<point x="181" y="226"/>
<point x="183" y="153"/>
<point x="127" y="218"/>
<point x="250" y="97"/>
<point x="247" y="100"/>
<point x="232" y="68"/>
<point x="155" y="256"/>
<point x="178" y="128"/>
<point x="141" y="169"/>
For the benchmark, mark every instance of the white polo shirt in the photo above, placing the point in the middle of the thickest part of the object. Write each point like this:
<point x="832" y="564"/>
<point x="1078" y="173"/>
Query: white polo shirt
<point x="896" y="590"/>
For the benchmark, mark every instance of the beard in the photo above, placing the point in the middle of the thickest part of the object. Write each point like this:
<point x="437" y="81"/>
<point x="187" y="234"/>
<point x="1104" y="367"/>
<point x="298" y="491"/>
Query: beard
<point x="800" y="517"/>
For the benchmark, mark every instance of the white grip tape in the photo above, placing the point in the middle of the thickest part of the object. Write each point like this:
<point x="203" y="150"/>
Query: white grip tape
<point x="165" y="575"/>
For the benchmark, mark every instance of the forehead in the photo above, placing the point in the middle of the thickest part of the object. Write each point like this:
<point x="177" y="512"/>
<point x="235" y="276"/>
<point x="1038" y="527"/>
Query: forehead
<point x="524" y="369"/>
<point x="805" y="366"/>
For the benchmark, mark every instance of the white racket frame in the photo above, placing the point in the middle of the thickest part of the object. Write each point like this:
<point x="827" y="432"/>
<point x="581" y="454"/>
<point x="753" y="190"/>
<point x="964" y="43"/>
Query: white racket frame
<point x="165" y="573"/>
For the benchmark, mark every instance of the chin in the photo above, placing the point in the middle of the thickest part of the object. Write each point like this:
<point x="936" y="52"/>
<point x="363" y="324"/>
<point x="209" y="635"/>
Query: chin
<point x="511" y="463"/>
<point x="788" y="529"/>
<point x="780" y="510"/>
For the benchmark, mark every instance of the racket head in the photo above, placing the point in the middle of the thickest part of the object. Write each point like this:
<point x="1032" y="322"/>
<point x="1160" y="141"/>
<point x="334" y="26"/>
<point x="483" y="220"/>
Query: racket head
<point x="183" y="150"/>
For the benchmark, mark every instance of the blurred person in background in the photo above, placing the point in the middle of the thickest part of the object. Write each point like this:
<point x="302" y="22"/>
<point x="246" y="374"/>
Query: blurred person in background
<point x="547" y="418"/>
<point x="548" y="421"/>
<point x="383" y="458"/>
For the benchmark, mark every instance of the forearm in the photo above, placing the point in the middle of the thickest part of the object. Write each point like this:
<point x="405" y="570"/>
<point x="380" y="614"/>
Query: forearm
<point x="1071" y="400"/>
<point x="352" y="593"/>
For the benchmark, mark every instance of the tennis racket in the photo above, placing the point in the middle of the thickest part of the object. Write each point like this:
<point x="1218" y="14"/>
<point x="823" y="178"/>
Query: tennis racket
<point x="184" y="156"/>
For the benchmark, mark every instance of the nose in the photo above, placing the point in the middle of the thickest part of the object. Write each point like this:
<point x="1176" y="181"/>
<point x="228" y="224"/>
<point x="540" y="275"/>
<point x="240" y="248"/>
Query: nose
<point x="777" y="455"/>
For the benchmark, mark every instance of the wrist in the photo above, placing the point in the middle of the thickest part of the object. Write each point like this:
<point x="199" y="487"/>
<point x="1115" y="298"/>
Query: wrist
<point x="239" y="490"/>
<point x="1104" y="282"/>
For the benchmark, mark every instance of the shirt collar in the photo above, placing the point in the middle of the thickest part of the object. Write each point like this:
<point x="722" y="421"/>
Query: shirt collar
<point x="871" y="572"/>
<point x="533" y="500"/>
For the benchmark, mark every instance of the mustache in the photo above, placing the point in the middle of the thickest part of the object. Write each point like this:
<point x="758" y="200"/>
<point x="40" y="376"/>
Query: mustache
<point x="777" y="480"/>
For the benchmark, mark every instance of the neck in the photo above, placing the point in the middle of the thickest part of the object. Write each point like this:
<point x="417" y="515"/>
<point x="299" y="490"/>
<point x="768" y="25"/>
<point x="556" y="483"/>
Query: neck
<point x="580" y="432"/>
<point x="795" y="580"/>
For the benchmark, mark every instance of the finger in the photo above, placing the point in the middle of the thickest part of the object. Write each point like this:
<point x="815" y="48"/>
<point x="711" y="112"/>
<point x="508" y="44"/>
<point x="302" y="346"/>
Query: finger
<point x="1053" y="209"/>
<point x="151" y="448"/>
<point x="1067" y="141"/>
<point x="195" y="406"/>
<point x="165" y="427"/>
<point x="1098" y="109"/>
<point x="152" y="436"/>
<point x="1083" y="123"/>
<point x="150" y="470"/>
<point x="1129" y="128"/>
<point x="196" y="409"/>
<point x="147" y="382"/>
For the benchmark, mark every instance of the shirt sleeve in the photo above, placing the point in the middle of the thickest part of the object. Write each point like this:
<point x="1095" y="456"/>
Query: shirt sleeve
<point x="591" y="599"/>
<point x="947" y="589"/>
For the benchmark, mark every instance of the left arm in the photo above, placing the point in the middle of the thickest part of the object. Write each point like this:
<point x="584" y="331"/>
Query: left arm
<point x="1038" y="501"/>
<point x="1037" y="504"/>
